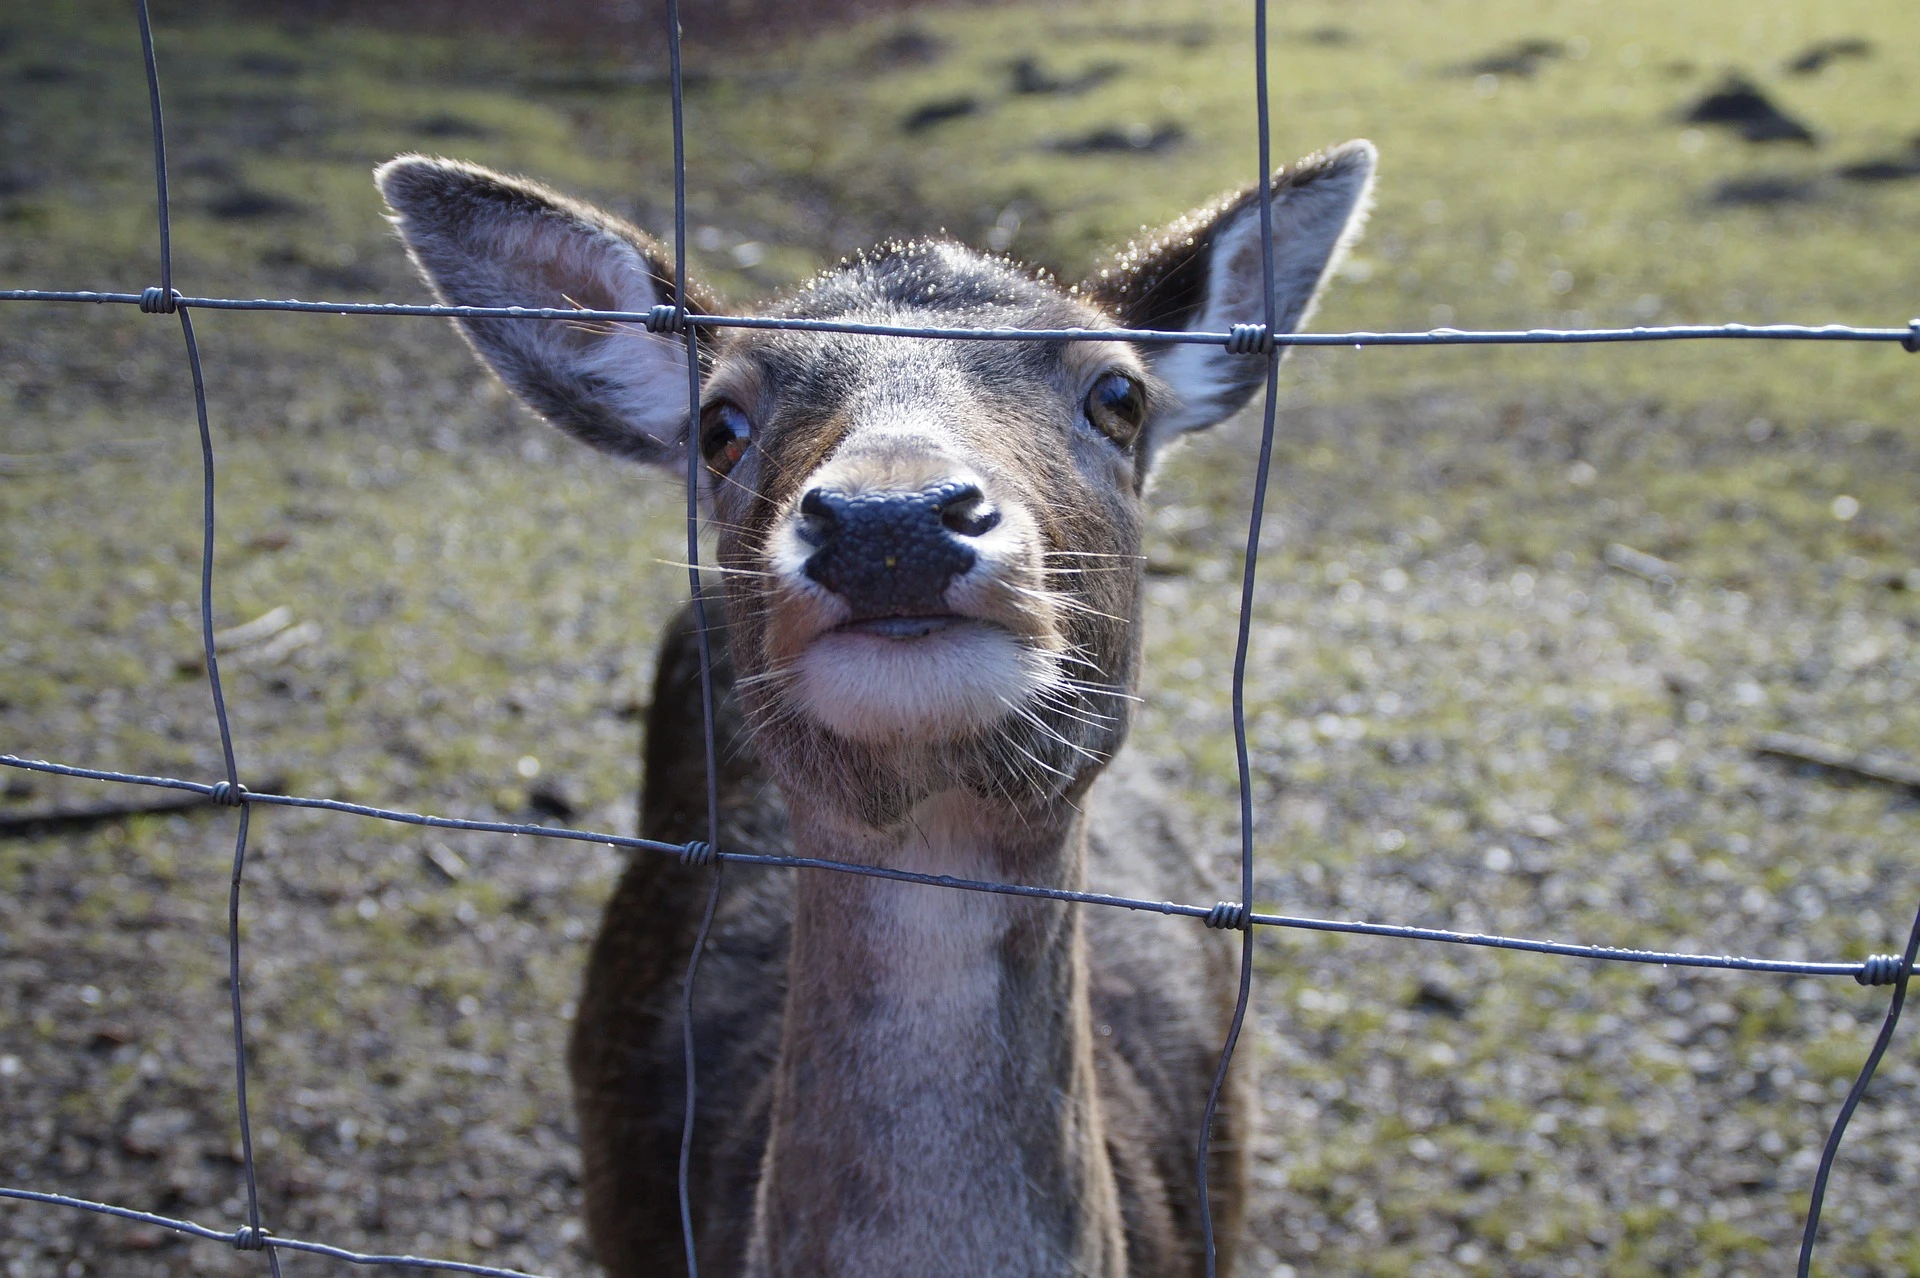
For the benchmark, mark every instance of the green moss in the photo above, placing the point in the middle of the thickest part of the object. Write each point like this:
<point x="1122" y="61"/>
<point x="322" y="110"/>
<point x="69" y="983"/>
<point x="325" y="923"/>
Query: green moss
<point x="1459" y="714"/>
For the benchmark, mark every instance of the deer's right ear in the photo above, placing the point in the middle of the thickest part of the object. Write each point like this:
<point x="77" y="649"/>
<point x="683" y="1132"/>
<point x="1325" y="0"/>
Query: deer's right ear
<point x="483" y="239"/>
<point x="1205" y="272"/>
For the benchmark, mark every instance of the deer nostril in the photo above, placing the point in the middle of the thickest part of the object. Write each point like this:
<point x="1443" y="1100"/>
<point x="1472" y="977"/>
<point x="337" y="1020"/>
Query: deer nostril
<point x="968" y="513"/>
<point x="815" y="503"/>
<point x="818" y="517"/>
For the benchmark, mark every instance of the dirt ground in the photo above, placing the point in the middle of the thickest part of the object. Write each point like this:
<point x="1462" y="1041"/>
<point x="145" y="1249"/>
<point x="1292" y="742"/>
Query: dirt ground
<point x="1467" y="707"/>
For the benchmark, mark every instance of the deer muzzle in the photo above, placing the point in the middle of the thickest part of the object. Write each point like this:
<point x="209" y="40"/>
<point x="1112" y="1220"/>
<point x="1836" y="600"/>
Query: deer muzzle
<point x="890" y="556"/>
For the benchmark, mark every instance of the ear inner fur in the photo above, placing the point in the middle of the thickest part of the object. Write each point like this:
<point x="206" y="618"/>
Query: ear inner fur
<point x="485" y="239"/>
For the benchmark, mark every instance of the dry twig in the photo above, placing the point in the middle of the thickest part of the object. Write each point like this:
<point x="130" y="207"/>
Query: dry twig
<point x="1867" y="765"/>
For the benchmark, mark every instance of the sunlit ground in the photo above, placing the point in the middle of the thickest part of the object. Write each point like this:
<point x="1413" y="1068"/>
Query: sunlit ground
<point x="1461" y="715"/>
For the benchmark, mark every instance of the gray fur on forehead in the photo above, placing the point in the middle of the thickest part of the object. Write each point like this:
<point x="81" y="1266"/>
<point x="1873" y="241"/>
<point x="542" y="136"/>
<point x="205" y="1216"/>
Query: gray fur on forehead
<point x="936" y="283"/>
<point x="946" y="282"/>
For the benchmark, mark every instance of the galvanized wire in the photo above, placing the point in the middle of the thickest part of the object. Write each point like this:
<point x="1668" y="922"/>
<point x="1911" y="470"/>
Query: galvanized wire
<point x="1907" y="336"/>
<point x="1878" y="970"/>
<point x="168" y="300"/>
<point x="703" y="639"/>
<point x="1246" y="338"/>
<point x="1243" y="339"/>
<point x="1831" y="1149"/>
<point x="246" y="1238"/>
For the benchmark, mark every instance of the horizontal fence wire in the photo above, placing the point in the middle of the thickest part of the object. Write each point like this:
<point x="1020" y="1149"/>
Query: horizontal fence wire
<point x="1246" y="339"/>
<point x="1875" y="970"/>
<point x="246" y="1238"/>
<point x="1907" y="336"/>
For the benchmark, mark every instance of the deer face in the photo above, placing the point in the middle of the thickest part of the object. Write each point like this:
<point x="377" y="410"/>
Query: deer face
<point x="934" y="545"/>
<point x="931" y="548"/>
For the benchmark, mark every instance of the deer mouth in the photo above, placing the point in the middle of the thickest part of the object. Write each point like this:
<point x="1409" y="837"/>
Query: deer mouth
<point x="921" y="677"/>
<point x="904" y="627"/>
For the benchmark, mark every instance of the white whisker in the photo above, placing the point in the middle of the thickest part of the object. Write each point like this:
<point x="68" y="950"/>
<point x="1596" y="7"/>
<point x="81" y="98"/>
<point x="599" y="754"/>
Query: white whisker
<point x="1051" y="733"/>
<point x="1064" y="601"/>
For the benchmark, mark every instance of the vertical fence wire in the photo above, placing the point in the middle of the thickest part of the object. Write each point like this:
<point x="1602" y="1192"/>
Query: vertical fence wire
<point x="1250" y="569"/>
<point x="1831" y="1149"/>
<point x="253" y="1236"/>
<point x="703" y="639"/>
<point x="229" y="792"/>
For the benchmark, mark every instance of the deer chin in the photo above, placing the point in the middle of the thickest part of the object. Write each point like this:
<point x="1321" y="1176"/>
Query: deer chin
<point x="913" y="680"/>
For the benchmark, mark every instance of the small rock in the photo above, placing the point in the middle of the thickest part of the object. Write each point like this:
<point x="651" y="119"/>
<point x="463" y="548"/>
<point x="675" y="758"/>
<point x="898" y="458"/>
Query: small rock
<point x="1739" y="105"/>
<point x="273" y="64"/>
<point x="549" y="800"/>
<point x="1815" y="57"/>
<point x="1764" y="189"/>
<point x="1522" y="59"/>
<point x="1544" y="825"/>
<point x="1139" y="139"/>
<point x="908" y="46"/>
<point x="107" y="1037"/>
<point x="152" y="1134"/>
<point x="928" y="114"/>
<point x="445" y="861"/>
<point x="1639" y="563"/>
<point x="1435" y="997"/>
<point x="452" y="126"/>
<point x="246" y="205"/>
<point x="1894" y="168"/>
<point x="144" y="1237"/>
<point x="260" y="629"/>
<point x="1030" y="78"/>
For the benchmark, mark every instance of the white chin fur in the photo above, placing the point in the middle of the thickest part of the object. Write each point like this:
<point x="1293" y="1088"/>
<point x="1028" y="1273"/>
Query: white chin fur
<point x="871" y="688"/>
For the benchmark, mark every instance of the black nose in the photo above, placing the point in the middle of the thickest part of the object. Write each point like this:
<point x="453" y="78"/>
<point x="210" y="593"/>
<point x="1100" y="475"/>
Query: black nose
<point x="891" y="554"/>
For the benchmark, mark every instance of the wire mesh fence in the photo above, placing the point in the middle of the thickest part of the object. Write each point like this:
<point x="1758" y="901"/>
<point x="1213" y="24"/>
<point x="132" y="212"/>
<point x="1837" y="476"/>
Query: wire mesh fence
<point x="1238" y="915"/>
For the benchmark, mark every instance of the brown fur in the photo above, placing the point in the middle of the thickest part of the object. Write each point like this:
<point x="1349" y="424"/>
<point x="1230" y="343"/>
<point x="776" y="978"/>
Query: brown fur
<point x="1166" y="1012"/>
<point x="898" y="1078"/>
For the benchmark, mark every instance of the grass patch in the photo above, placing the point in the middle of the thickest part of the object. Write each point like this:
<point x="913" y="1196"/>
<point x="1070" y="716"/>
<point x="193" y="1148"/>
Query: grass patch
<point x="1460" y="714"/>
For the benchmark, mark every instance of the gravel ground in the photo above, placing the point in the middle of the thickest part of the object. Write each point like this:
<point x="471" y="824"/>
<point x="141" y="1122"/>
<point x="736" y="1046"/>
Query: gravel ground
<point x="1462" y="714"/>
<point x="1444" y="734"/>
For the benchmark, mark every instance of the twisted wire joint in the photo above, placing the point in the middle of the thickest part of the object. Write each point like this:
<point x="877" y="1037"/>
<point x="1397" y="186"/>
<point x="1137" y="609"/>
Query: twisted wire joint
<point x="1881" y="969"/>
<point x="1912" y="340"/>
<point x="1249" y="339"/>
<point x="699" y="852"/>
<point x="159" y="301"/>
<point x="228" y="794"/>
<point x="249" y="1238"/>
<point x="666" y="319"/>
<point x="1229" y="916"/>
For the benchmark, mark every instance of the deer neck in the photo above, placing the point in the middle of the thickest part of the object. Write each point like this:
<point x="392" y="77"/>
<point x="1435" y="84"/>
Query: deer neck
<point x="934" y="1105"/>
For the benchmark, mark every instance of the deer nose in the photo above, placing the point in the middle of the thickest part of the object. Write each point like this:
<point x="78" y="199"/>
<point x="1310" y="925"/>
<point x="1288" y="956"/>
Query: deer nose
<point x="893" y="554"/>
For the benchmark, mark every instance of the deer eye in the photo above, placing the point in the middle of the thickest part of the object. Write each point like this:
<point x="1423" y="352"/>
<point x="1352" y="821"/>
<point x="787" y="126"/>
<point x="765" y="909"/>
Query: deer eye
<point x="1117" y="407"/>
<point x="724" y="434"/>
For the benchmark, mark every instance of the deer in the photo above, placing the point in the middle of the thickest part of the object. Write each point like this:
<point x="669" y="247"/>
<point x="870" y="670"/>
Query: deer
<point x="926" y="643"/>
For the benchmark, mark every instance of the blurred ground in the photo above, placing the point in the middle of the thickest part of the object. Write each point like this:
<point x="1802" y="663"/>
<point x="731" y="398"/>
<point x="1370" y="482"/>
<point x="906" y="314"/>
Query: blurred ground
<point x="1462" y="715"/>
<point x="605" y="28"/>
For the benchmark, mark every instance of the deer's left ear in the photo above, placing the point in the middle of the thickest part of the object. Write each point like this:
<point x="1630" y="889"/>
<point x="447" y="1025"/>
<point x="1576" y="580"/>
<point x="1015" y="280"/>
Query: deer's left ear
<point x="1204" y="273"/>
<point x="485" y="239"/>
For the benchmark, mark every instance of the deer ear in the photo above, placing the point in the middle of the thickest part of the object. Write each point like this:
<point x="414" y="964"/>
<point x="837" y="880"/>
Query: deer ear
<point x="1204" y="273"/>
<point x="483" y="239"/>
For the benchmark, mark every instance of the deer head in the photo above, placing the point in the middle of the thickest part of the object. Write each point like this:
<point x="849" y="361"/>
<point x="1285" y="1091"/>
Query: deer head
<point x="931" y="549"/>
